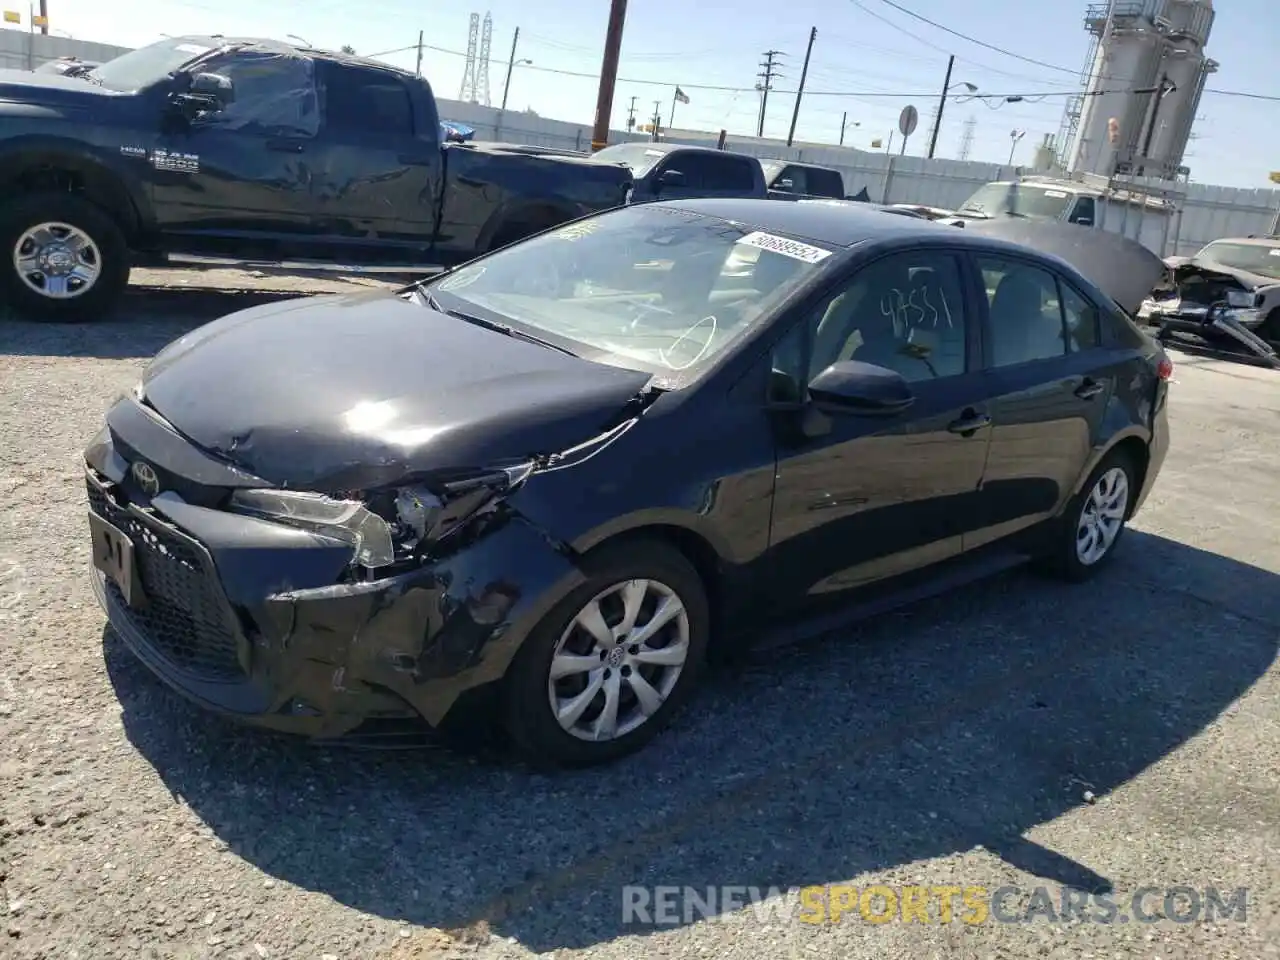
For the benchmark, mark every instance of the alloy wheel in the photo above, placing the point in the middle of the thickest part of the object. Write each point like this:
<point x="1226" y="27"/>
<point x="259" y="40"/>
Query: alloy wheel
<point x="619" y="660"/>
<point x="1102" y="516"/>
<point x="57" y="260"/>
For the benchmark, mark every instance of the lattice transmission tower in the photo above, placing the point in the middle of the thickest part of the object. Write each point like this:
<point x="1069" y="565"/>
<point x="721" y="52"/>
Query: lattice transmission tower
<point x="468" y="92"/>
<point x="482" y="72"/>
<point x="966" y="140"/>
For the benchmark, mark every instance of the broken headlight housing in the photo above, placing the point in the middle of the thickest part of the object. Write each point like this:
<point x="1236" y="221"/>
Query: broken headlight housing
<point x="1240" y="298"/>
<point x="384" y="527"/>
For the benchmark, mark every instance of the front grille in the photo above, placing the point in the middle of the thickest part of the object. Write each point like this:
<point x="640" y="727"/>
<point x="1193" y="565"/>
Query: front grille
<point x="186" y="618"/>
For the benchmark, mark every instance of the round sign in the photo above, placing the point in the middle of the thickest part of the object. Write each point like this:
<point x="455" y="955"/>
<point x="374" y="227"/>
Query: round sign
<point x="907" y="120"/>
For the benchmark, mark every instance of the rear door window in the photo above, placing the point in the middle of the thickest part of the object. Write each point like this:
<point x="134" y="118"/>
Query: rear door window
<point x="360" y="102"/>
<point x="825" y="183"/>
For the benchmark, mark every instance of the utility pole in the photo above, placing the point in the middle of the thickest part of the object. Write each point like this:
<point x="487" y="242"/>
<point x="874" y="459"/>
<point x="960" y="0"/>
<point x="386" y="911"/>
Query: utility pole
<point x="844" y="124"/>
<point x="44" y="17"/>
<point x="657" y="119"/>
<point x="804" y="72"/>
<point x="511" y="63"/>
<point x="608" y="74"/>
<point x="631" y="115"/>
<point x="942" y="102"/>
<point x="418" y="69"/>
<point x="767" y="76"/>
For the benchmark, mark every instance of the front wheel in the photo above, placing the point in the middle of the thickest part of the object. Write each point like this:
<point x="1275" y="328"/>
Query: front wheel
<point x="1085" y="537"/>
<point x="62" y="257"/>
<point x="611" y="664"/>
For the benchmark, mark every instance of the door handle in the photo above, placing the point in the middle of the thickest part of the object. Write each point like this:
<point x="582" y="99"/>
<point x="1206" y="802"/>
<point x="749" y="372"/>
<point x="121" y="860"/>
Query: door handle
<point x="1089" y="389"/>
<point x="285" y="146"/>
<point x="970" y="422"/>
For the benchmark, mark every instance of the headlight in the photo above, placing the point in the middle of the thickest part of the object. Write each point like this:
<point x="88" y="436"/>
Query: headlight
<point x="415" y="515"/>
<point x="347" y="520"/>
<point x="1240" y="298"/>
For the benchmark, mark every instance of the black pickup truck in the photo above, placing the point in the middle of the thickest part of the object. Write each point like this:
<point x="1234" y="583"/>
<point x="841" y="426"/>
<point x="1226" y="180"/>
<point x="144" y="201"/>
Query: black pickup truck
<point x="252" y="150"/>
<point x="787" y="180"/>
<point x="674" y="171"/>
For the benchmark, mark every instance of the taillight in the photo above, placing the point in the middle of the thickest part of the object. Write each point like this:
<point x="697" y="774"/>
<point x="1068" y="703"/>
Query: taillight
<point x="1164" y="368"/>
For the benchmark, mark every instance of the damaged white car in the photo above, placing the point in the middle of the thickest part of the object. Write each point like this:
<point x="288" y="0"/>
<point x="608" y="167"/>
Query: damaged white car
<point x="1228" y="291"/>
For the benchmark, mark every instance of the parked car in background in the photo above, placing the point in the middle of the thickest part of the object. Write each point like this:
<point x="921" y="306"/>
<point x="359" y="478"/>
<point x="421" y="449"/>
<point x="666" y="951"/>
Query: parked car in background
<point x="243" y="149"/>
<point x="673" y="171"/>
<point x="67" y="67"/>
<point x="1229" y="290"/>
<point x="938" y="214"/>
<point x="557" y="479"/>
<point x="786" y="180"/>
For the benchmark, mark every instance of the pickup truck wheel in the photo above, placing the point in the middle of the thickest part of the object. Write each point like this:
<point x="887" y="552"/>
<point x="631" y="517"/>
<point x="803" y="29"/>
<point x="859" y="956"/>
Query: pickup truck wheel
<point x="64" y="258"/>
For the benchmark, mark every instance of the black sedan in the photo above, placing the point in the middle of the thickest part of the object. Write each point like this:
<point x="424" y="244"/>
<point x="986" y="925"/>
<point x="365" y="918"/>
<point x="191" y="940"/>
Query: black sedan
<point x="559" y="479"/>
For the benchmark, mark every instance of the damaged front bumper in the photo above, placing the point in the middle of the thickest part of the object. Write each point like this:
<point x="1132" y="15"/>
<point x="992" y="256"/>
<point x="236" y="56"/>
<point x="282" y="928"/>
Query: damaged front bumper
<point x="1239" y="324"/>
<point x="251" y="619"/>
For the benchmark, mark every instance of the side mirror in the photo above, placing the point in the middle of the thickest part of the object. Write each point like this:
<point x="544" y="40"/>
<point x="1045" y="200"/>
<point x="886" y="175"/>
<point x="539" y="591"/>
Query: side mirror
<point x="671" y="178"/>
<point x="785" y="184"/>
<point x="1084" y="221"/>
<point x="853" y="387"/>
<point x="213" y="85"/>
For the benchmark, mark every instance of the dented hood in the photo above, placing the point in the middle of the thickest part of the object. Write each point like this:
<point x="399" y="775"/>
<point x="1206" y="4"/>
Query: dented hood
<point x="1123" y="269"/>
<point x="1207" y="267"/>
<point x="351" y="393"/>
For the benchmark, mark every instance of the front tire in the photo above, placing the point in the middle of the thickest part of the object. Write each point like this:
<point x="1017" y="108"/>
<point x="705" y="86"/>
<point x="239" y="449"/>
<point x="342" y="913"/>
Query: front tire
<point x="1085" y="537"/>
<point x="613" y="662"/>
<point x="62" y="258"/>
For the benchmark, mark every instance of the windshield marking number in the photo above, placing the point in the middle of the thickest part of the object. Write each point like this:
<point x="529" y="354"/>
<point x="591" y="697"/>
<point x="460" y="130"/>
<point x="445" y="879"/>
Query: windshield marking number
<point x="787" y="247"/>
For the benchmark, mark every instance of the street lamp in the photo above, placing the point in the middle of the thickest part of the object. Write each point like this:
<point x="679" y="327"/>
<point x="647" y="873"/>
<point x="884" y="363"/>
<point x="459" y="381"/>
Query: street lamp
<point x="844" y="124"/>
<point x="1015" y="136"/>
<point x="942" y="104"/>
<point x="506" y="87"/>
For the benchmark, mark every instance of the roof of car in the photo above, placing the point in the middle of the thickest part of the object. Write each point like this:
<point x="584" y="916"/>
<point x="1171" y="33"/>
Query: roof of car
<point x="1250" y="241"/>
<point x="217" y="41"/>
<point x="837" y="223"/>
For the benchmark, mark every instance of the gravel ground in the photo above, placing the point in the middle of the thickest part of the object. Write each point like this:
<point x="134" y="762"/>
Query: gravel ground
<point x="1115" y="736"/>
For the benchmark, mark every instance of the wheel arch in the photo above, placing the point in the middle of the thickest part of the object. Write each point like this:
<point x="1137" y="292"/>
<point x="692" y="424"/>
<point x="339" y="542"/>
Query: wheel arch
<point x="32" y="165"/>
<point x="1133" y="443"/>
<point x="525" y="217"/>
<point x="690" y="542"/>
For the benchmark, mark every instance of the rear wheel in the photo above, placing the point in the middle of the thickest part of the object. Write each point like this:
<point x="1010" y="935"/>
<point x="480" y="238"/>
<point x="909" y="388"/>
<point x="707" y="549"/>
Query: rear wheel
<point x="613" y="662"/>
<point x="61" y="257"/>
<point x="1084" y="538"/>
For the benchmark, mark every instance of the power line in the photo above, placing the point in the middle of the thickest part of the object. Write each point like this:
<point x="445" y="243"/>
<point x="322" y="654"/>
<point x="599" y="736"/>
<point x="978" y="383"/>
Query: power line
<point x="1025" y="96"/>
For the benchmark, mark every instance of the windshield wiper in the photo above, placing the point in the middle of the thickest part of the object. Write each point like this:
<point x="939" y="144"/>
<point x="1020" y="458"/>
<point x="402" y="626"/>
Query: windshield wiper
<point x="493" y="325"/>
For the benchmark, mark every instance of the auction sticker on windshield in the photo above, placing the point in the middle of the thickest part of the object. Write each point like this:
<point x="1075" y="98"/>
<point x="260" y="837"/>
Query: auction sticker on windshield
<point x="785" y="246"/>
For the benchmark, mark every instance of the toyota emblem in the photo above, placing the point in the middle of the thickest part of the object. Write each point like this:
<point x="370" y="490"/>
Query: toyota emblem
<point x="145" y="476"/>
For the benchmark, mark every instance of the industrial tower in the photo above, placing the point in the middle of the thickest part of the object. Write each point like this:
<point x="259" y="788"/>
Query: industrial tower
<point x="1152" y="45"/>
<point x="475" y="74"/>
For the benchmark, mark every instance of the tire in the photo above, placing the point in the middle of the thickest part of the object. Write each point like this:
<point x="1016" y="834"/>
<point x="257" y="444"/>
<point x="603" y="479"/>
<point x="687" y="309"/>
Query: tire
<point x="531" y="722"/>
<point x="109" y="249"/>
<point x="1063" y="556"/>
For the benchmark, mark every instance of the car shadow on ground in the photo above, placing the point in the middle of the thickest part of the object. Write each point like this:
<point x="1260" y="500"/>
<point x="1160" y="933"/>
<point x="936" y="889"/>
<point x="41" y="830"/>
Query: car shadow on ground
<point x="147" y="319"/>
<point x="961" y="723"/>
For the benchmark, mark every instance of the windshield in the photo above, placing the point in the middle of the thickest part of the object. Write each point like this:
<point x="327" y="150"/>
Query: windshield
<point x="1018" y="200"/>
<point x="147" y="65"/>
<point x="648" y="287"/>
<point x="640" y="157"/>
<point x="1262" y="259"/>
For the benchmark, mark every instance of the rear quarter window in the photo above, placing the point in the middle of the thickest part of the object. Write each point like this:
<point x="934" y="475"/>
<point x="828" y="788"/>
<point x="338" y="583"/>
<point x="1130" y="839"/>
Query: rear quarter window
<point x="826" y="183"/>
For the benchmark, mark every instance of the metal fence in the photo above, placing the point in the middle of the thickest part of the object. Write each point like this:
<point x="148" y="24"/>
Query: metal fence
<point x="1209" y="211"/>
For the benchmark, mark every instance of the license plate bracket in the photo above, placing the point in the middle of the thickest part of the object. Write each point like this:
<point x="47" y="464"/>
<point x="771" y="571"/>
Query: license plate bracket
<point x="113" y="554"/>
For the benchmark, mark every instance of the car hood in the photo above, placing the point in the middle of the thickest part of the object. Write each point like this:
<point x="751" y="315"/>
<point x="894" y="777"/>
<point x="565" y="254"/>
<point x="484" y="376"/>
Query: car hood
<point x="357" y="392"/>
<point x="1123" y="269"/>
<point x="24" y="86"/>
<point x="1206" y="267"/>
